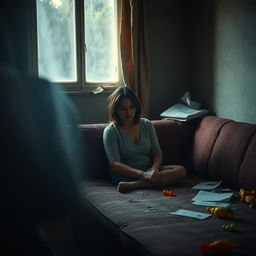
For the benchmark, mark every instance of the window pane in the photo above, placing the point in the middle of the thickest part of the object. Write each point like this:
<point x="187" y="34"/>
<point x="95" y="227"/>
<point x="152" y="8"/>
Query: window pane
<point x="101" y="41"/>
<point x="56" y="40"/>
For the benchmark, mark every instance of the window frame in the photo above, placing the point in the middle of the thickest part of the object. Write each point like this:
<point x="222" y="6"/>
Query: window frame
<point x="80" y="85"/>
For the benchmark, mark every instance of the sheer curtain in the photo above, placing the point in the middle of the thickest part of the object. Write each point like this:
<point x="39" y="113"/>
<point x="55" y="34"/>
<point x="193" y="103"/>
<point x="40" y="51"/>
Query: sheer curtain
<point x="134" y="49"/>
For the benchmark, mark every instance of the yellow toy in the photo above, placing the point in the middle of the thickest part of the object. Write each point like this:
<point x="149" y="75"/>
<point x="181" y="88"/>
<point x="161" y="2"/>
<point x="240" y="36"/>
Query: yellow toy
<point x="221" y="212"/>
<point x="248" y="196"/>
<point x="219" y="246"/>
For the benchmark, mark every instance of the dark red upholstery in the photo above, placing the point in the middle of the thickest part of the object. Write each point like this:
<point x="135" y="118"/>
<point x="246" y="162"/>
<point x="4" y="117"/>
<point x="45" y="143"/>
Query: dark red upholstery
<point x="223" y="149"/>
<point x="95" y="160"/>
<point x="139" y="222"/>
<point x="229" y="151"/>
<point x="174" y="148"/>
<point x="247" y="173"/>
<point x="205" y="136"/>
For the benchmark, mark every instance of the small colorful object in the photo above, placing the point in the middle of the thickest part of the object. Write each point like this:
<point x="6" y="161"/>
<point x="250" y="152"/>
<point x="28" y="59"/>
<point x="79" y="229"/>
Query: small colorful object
<point x="230" y="227"/>
<point x="168" y="192"/>
<point x="219" y="246"/>
<point x="248" y="196"/>
<point x="221" y="212"/>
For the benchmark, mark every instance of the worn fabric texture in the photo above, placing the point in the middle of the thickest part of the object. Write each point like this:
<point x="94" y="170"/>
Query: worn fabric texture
<point x="139" y="222"/>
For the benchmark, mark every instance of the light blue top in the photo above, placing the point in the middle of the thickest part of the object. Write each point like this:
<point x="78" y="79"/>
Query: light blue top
<point x="120" y="148"/>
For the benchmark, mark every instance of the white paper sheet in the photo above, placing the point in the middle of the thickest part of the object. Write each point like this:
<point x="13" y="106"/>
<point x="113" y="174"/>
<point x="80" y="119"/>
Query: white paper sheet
<point x="207" y="185"/>
<point x="182" y="111"/>
<point x="211" y="196"/>
<point x="191" y="214"/>
<point x="97" y="90"/>
<point x="211" y="204"/>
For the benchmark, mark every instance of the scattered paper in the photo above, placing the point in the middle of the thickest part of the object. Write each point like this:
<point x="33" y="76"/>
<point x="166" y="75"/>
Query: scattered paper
<point x="211" y="204"/>
<point x="186" y="99"/>
<point x="207" y="185"/>
<point x="211" y="196"/>
<point x="191" y="214"/>
<point x="220" y="189"/>
<point x="182" y="112"/>
<point x="97" y="90"/>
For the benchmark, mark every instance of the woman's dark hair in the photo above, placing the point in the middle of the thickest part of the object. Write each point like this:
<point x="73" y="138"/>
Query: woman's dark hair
<point x="114" y="103"/>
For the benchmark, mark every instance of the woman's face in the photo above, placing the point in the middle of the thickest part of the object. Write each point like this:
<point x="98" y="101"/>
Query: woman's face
<point x="126" y="110"/>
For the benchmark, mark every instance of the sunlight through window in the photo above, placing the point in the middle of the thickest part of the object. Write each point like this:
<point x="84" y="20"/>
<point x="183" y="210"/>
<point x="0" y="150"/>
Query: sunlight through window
<point x="80" y="44"/>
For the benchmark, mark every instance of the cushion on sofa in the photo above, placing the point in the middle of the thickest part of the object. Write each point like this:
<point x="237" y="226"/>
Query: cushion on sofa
<point x="247" y="172"/>
<point x="175" y="139"/>
<point x="223" y="149"/>
<point x="206" y="133"/>
<point x="139" y="223"/>
<point x="228" y="153"/>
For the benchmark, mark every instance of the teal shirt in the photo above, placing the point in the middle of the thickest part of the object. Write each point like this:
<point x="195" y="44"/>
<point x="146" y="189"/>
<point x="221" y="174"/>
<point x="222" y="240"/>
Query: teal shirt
<point x="120" y="148"/>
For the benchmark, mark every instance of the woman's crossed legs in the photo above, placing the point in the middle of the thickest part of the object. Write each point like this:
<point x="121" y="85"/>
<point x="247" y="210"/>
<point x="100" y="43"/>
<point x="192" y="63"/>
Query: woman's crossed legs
<point x="169" y="174"/>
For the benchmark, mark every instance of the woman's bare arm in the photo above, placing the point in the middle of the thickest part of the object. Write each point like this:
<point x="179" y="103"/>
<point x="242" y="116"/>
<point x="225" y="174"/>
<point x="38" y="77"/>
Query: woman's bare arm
<point x="126" y="170"/>
<point x="157" y="162"/>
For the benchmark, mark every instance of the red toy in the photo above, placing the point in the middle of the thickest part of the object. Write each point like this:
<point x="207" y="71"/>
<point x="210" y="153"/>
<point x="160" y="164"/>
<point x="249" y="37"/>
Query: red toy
<point x="168" y="192"/>
<point x="218" y="246"/>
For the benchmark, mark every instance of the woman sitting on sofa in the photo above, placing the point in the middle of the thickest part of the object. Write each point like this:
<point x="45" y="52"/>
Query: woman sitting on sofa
<point x="132" y="146"/>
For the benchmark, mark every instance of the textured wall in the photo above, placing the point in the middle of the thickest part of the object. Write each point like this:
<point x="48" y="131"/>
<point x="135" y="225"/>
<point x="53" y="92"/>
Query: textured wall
<point x="226" y="65"/>
<point x="235" y="60"/>
<point x="208" y="47"/>
<point x="169" y="56"/>
<point x="92" y="108"/>
<point x="170" y="52"/>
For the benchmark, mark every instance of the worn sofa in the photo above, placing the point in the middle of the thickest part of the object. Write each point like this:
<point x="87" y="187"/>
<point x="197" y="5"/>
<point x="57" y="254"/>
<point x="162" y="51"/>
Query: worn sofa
<point x="139" y="223"/>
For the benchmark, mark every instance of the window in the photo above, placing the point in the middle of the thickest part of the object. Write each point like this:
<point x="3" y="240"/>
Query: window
<point x="77" y="42"/>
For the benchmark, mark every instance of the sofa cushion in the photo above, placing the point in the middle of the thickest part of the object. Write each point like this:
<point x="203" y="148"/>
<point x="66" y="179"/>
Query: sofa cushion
<point x="139" y="221"/>
<point x="206" y="133"/>
<point x="247" y="172"/>
<point x="228" y="154"/>
<point x="223" y="149"/>
<point x="175" y="140"/>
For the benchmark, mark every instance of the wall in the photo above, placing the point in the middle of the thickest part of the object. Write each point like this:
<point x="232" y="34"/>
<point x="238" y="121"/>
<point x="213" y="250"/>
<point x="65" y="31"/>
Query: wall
<point x="225" y="77"/>
<point x="207" y="47"/>
<point x="169" y="57"/>
<point x="170" y="53"/>
<point x="92" y="108"/>
<point x="14" y="34"/>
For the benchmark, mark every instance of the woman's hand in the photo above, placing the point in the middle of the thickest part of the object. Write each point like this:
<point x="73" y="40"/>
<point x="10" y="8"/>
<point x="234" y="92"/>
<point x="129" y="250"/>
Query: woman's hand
<point x="152" y="175"/>
<point x="153" y="168"/>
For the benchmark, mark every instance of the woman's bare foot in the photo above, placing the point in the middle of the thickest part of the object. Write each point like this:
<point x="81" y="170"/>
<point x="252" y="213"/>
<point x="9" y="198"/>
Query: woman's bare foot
<point x="138" y="184"/>
<point x="123" y="186"/>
